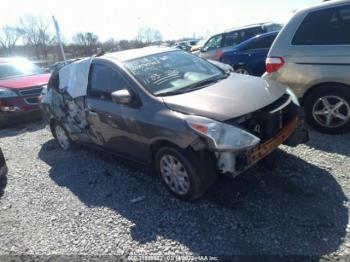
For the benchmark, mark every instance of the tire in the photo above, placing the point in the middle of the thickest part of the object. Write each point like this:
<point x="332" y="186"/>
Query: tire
<point x="243" y="70"/>
<point x="197" y="170"/>
<point x="62" y="137"/>
<point x="318" y="113"/>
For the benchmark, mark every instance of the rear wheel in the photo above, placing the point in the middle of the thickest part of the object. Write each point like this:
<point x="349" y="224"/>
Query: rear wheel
<point x="242" y="70"/>
<point x="182" y="173"/>
<point x="328" y="109"/>
<point x="62" y="137"/>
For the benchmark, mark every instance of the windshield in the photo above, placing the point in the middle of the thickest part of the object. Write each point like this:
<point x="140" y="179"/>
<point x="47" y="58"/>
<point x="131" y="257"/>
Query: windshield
<point x="173" y="72"/>
<point x="19" y="68"/>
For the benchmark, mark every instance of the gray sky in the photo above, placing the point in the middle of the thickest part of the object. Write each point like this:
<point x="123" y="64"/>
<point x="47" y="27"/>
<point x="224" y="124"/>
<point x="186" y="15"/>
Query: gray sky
<point x="175" y="19"/>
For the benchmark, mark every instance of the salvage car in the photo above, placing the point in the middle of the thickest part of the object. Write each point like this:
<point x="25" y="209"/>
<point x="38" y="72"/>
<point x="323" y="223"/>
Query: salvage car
<point x="314" y="63"/>
<point x="179" y="113"/>
<point x="21" y="82"/>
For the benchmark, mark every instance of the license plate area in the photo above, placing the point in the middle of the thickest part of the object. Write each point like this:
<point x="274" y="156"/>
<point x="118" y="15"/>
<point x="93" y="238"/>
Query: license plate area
<point x="270" y="145"/>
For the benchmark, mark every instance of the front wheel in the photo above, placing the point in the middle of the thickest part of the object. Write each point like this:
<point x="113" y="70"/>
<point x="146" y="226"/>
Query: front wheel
<point x="328" y="109"/>
<point x="182" y="173"/>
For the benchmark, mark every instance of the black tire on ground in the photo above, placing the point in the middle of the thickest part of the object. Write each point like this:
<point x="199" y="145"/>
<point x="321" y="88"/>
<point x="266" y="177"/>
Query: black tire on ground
<point x="55" y="129"/>
<point x="200" y="168"/>
<point x="328" y="90"/>
<point x="243" y="70"/>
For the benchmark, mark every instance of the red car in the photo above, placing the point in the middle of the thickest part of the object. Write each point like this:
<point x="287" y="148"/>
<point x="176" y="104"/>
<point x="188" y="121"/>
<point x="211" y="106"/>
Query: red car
<point x="21" y="83"/>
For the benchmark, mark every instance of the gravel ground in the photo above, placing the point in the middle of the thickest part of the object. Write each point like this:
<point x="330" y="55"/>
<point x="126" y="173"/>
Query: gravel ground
<point x="81" y="202"/>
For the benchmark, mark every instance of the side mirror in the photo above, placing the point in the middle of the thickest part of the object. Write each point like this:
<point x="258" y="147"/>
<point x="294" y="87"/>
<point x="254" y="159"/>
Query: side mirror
<point x="121" y="97"/>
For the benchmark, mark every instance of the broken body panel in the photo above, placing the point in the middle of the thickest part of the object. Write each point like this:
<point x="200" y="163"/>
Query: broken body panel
<point x="250" y="107"/>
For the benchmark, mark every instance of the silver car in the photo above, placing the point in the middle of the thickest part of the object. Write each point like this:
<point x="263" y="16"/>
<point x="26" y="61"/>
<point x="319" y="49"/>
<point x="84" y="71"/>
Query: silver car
<point x="312" y="56"/>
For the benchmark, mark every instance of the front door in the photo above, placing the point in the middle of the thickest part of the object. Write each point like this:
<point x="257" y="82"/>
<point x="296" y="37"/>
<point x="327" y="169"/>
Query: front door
<point x="109" y="122"/>
<point x="212" y="47"/>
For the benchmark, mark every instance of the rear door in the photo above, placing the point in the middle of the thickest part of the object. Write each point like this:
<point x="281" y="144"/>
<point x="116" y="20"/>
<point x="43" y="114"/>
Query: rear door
<point x="111" y="124"/>
<point x="317" y="42"/>
<point x="256" y="53"/>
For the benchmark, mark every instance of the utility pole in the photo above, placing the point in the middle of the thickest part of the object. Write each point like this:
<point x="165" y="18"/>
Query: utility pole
<point x="59" y="42"/>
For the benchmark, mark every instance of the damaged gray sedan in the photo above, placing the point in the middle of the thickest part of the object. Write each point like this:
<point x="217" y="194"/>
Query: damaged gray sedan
<point x="188" y="118"/>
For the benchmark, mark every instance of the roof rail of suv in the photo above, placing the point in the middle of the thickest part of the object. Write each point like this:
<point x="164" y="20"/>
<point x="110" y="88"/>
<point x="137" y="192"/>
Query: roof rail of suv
<point x="249" y="26"/>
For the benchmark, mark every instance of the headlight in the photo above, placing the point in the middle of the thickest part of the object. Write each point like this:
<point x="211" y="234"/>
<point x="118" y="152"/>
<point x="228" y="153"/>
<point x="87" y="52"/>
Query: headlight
<point x="4" y="93"/>
<point x="224" y="137"/>
<point x="293" y="96"/>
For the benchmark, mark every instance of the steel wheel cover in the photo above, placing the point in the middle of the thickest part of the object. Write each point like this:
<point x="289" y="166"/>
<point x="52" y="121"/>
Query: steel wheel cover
<point x="174" y="174"/>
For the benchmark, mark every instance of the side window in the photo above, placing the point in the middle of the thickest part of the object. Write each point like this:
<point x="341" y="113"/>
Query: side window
<point x="263" y="42"/>
<point x="213" y="43"/>
<point x="271" y="28"/>
<point x="104" y="80"/>
<point x="236" y="37"/>
<point x="232" y="38"/>
<point x="325" y="27"/>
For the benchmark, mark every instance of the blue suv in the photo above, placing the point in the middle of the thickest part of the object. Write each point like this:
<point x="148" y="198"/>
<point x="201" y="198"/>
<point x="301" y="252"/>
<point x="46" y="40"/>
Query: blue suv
<point x="249" y="56"/>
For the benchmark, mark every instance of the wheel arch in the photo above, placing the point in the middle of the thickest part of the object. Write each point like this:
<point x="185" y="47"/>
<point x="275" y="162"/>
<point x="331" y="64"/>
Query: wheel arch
<point x="315" y="87"/>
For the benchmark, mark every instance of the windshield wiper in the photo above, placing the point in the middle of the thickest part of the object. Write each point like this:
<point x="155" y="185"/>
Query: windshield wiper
<point x="205" y="83"/>
<point x="193" y="87"/>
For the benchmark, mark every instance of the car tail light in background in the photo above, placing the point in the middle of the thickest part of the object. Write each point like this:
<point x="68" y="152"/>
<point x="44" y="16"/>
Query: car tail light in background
<point x="274" y="63"/>
<point x="218" y="55"/>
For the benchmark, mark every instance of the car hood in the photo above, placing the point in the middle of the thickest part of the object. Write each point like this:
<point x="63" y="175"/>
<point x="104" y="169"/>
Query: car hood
<point x="25" y="81"/>
<point x="232" y="97"/>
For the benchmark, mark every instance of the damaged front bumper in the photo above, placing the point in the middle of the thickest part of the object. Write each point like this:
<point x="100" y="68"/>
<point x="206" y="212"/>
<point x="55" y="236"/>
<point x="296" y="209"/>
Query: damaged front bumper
<point x="293" y="134"/>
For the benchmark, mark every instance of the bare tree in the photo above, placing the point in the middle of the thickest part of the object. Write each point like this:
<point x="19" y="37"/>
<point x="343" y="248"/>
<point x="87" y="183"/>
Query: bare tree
<point x="88" y="41"/>
<point x="149" y="35"/>
<point x="8" y="38"/>
<point x="35" y="32"/>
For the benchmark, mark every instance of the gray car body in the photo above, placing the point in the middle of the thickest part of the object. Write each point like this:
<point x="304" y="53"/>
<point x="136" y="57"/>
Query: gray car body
<point x="323" y="63"/>
<point x="137" y="129"/>
<point x="152" y="120"/>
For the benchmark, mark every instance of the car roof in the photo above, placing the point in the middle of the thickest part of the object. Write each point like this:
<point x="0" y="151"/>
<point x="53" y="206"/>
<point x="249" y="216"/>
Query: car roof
<point x="322" y="5"/>
<point x="250" y="26"/>
<point x="248" y="41"/>
<point x="137" y="53"/>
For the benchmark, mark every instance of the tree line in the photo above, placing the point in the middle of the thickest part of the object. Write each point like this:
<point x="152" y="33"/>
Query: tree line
<point x="32" y="38"/>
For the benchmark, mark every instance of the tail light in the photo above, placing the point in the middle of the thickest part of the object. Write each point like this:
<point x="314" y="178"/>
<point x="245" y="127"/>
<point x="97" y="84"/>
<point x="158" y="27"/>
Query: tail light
<point x="219" y="55"/>
<point x="274" y="63"/>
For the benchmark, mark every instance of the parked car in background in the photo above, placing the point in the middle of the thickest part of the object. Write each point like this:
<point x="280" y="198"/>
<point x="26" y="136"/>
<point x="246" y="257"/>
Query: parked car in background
<point x="198" y="46"/>
<point x="218" y="43"/>
<point x="249" y="57"/>
<point x="186" y="45"/>
<point x="312" y="56"/>
<point x="172" y="110"/>
<point x="21" y="82"/>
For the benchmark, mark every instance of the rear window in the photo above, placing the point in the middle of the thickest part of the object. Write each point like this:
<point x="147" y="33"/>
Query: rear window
<point x="325" y="27"/>
<point x="262" y="42"/>
<point x="236" y="37"/>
